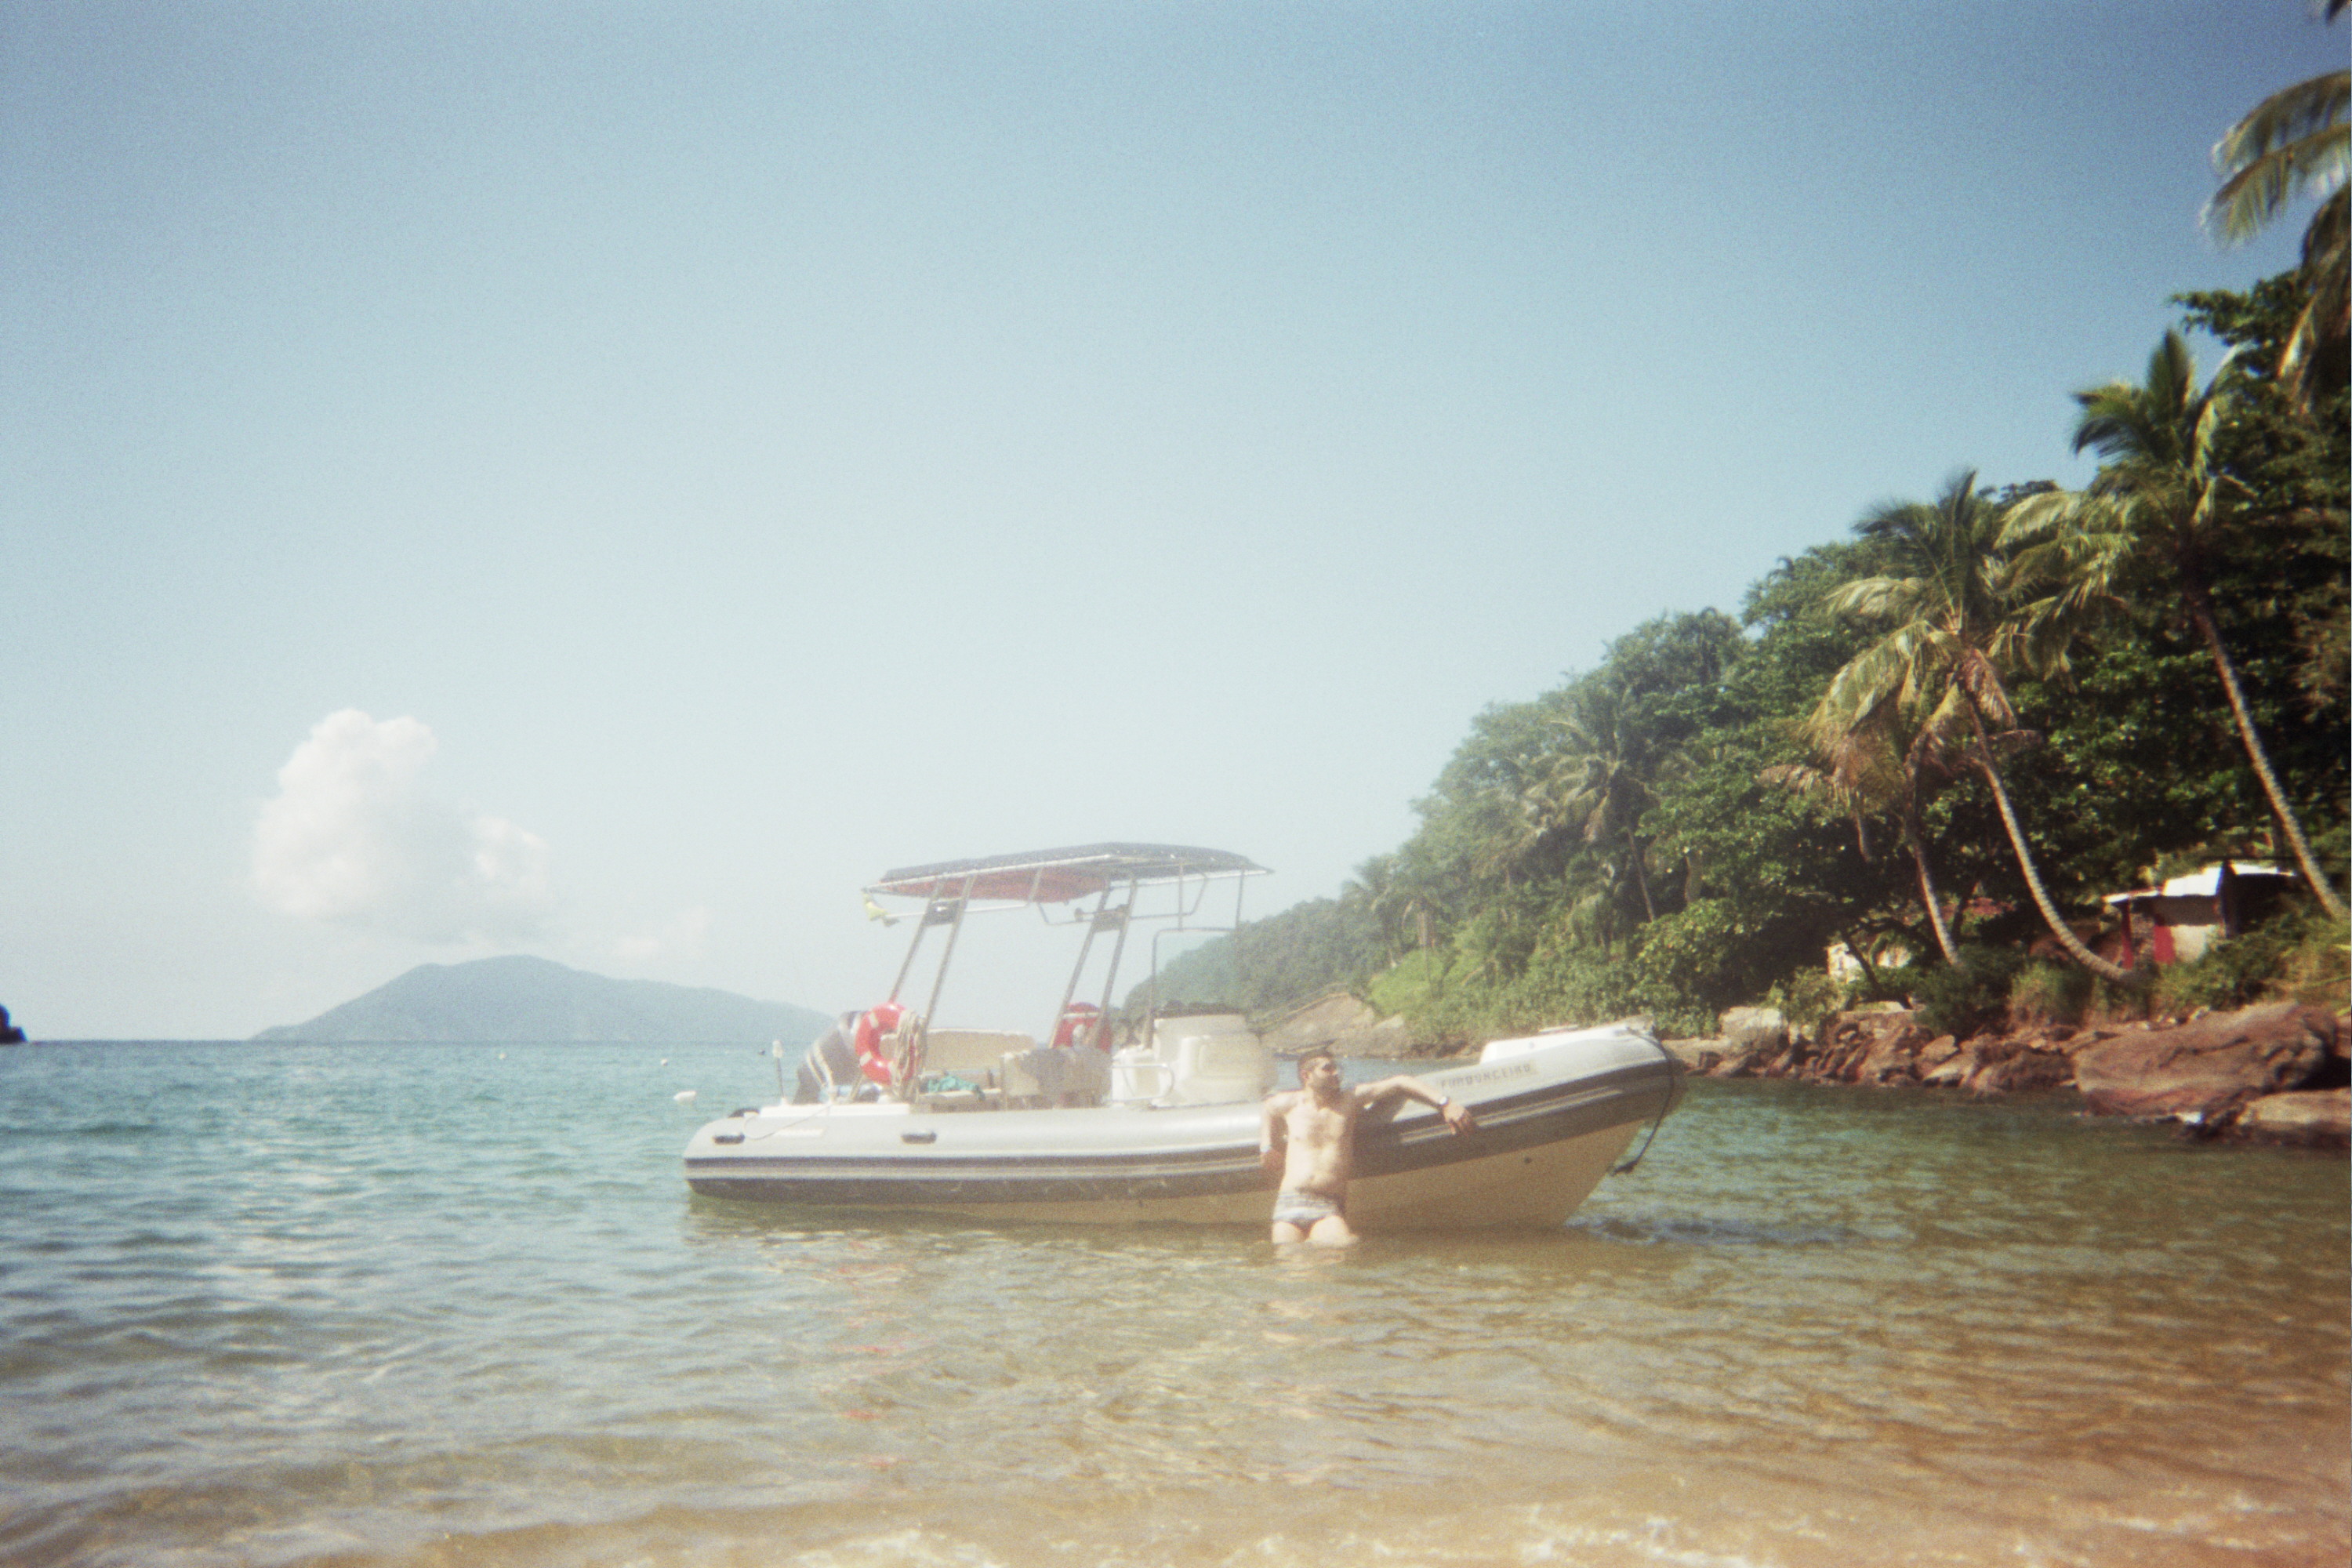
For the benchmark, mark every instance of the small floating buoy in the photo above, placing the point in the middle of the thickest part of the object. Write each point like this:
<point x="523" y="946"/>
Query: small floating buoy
<point x="684" y="1097"/>
<point x="665" y="1061"/>
<point x="502" y="1056"/>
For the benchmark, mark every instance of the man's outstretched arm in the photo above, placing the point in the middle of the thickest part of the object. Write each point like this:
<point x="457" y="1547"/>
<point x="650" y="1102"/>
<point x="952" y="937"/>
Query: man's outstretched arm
<point x="1403" y="1087"/>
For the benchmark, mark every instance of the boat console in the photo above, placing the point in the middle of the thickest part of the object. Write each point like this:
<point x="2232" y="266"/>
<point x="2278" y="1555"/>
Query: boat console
<point x="1210" y="1059"/>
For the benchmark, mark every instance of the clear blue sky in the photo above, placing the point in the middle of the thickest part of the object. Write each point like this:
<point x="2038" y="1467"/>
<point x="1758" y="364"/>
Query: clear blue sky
<point x="606" y="481"/>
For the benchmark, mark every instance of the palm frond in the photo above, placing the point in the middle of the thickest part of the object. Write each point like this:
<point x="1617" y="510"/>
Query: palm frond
<point x="2156" y="424"/>
<point x="1940" y="749"/>
<point x="2293" y="142"/>
<point x="1976" y="675"/>
<point x="2036" y="520"/>
<point x="2326" y="321"/>
<point x="2115" y="421"/>
<point x="1876" y="695"/>
<point x="2006" y="744"/>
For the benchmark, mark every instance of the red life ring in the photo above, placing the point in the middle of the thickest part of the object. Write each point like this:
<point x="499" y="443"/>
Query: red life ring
<point x="875" y="1026"/>
<point x="1083" y="1022"/>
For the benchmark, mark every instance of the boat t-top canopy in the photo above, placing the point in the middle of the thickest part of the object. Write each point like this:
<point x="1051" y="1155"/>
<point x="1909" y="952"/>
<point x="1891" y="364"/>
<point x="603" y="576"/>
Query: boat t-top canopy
<point x="1058" y="876"/>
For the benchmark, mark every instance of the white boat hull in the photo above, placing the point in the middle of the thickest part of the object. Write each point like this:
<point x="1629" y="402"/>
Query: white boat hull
<point x="1554" y="1113"/>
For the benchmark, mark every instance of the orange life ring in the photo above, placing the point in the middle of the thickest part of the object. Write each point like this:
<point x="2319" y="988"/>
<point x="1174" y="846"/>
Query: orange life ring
<point x="875" y="1026"/>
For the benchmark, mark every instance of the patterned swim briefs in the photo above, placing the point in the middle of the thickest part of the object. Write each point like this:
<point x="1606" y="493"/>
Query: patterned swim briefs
<point x="1303" y="1209"/>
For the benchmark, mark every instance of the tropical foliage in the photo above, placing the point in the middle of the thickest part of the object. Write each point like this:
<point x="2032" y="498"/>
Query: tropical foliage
<point x="1937" y="743"/>
<point x="2158" y="513"/>
<point x="1955" y="621"/>
<point x="2296" y="143"/>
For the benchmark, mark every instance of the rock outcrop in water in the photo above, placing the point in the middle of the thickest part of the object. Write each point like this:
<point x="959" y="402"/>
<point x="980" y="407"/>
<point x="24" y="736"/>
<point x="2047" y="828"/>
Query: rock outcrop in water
<point x="2210" y="1069"/>
<point x="2275" y="1073"/>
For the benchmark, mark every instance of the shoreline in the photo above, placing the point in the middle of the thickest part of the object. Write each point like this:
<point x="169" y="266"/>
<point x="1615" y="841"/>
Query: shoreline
<point x="2277" y="1073"/>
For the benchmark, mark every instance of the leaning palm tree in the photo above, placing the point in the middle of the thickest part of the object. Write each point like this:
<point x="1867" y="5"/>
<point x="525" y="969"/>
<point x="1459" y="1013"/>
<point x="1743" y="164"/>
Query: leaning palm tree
<point x="1952" y="627"/>
<point x="1870" y="769"/>
<point x="2295" y="143"/>
<point x="2155" y="518"/>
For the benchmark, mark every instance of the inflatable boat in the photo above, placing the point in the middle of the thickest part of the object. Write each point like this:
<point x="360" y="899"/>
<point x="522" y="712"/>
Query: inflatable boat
<point x="1157" y="1118"/>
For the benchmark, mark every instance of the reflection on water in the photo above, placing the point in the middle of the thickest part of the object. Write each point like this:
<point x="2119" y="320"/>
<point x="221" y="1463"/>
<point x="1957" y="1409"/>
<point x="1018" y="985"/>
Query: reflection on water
<point x="426" y="1306"/>
<point x="1702" y="1232"/>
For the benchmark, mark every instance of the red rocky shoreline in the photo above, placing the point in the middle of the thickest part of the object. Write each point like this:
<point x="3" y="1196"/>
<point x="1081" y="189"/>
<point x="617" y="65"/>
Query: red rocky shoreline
<point x="2277" y="1073"/>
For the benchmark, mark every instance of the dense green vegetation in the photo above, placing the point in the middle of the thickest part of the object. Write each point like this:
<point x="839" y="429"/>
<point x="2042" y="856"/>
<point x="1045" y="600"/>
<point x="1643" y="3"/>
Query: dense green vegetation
<point x="1947" y="736"/>
<point x="1939" y="743"/>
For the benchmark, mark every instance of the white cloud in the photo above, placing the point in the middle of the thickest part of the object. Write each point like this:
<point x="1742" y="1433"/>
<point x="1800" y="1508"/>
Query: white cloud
<point x="353" y="837"/>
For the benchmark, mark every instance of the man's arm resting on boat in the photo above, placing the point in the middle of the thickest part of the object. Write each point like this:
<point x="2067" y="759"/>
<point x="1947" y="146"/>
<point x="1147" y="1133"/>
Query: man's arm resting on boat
<point x="1457" y="1117"/>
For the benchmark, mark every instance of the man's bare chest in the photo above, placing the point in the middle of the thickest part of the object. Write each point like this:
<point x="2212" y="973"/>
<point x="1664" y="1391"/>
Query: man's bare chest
<point x="1318" y="1125"/>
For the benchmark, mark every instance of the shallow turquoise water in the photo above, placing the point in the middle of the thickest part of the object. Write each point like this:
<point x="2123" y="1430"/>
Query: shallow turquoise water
<point x="281" y="1304"/>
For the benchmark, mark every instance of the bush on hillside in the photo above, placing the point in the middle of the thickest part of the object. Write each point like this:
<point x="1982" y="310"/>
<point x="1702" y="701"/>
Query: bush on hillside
<point x="1678" y="973"/>
<point x="2315" y="968"/>
<point x="1412" y="985"/>
<point x="1960" y="998"/>
<point x="1807" y="999"/>
<point x="2048" y="992"/>
<point x="2297" y="956"/>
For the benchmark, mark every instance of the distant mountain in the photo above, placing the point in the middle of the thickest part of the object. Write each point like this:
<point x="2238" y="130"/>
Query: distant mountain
<point x="538" y="999"/>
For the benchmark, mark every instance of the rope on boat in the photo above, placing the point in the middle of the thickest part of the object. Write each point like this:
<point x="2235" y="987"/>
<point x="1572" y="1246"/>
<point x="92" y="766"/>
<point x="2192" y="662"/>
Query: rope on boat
<point x="1655" y="1123"/>
<point x="1674" y="1094"/>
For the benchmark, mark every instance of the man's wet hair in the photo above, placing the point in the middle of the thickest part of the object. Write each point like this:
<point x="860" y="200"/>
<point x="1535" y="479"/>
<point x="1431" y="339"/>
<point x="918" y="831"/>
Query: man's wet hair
<point x="1306" y="1059"/>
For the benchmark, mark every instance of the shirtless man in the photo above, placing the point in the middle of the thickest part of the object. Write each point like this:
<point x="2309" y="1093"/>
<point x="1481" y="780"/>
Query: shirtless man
<point x="1309" y="1134"/>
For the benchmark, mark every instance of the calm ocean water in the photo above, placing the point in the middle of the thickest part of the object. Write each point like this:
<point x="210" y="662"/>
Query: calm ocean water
<point x="427" y="1304"/>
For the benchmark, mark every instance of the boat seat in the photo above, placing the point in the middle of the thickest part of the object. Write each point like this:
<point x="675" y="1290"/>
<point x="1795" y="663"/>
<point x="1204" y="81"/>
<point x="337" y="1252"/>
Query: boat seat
<point x="970" y="1052"/>
<point x="1020" y="1079"/>
<point x="1051" y="1073"/>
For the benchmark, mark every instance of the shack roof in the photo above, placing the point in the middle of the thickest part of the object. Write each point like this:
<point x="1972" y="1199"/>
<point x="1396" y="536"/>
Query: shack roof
<point x="2205" y="882"/>
<point x="1056" y="876"/>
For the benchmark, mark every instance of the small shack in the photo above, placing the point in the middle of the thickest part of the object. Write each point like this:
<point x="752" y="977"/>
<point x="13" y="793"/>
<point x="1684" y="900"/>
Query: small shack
<point x="2178" y="922"/>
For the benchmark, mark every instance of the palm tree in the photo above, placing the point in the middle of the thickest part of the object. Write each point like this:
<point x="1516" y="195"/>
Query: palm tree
<point x="1373" y="888"/>
<point x="1601" y="784"/>
<point x="2294" y="144"/>
<point x="1951" y="627"/>
<point x="2159" y="509"/>
<point x="1868" y="769"/>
